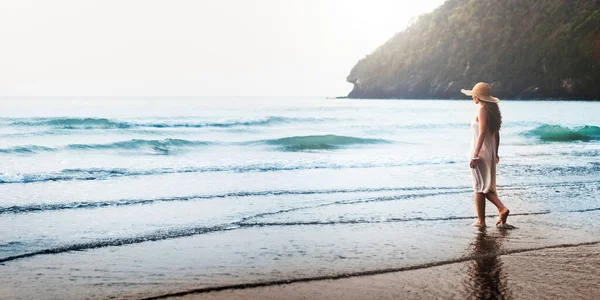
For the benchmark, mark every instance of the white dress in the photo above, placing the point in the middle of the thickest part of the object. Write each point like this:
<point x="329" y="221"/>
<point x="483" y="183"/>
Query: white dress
<point x="484" y="174"/>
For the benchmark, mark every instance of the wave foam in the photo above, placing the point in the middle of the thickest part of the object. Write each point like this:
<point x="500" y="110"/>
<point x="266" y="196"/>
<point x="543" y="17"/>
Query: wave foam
<point x="174" y="233"/>
<point x="156" y="236"/>
<point x="109" y="173"/>
<point x="39" y="207"/>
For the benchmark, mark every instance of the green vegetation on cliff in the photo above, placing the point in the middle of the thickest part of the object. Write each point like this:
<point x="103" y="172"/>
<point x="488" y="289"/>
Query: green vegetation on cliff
<point x="525" y="49"/>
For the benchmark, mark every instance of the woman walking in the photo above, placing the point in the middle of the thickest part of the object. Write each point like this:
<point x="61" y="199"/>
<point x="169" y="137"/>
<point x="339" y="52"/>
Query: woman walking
<point x="484" y="152"/>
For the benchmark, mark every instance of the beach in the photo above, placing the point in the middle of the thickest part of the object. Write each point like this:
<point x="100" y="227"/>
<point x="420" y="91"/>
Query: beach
<point x="144" y="197"/>
<point x="569" y="272"/>
<point x="274" y="149"/>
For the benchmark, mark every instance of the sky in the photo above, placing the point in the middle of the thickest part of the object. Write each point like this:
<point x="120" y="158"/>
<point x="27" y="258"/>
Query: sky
<point x="192" y="47"/>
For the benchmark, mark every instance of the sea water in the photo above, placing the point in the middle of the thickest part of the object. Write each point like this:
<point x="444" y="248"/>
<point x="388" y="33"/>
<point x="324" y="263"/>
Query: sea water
<point x="140" y="197"/>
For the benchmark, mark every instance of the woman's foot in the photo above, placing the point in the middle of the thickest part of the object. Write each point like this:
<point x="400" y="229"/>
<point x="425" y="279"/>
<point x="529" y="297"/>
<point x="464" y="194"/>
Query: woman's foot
<point x="479" y="224"/>
<point x="503" y="216"/>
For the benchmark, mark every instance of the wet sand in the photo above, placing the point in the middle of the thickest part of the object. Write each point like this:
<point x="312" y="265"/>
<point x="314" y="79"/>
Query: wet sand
<point x="553" y="273"/>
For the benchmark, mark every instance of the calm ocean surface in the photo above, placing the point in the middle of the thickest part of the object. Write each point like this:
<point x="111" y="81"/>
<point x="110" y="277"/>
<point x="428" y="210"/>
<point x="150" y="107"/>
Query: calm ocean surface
<point x="135" y="198"/>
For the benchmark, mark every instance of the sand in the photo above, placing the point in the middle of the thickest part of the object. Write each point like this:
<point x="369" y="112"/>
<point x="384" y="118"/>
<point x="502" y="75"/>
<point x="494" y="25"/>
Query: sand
<point x="555" y="273"/>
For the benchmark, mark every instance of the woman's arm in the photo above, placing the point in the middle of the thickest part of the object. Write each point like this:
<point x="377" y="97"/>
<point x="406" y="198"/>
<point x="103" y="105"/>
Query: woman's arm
<point x="497" y="146"/>
<point x="482" y="131"/>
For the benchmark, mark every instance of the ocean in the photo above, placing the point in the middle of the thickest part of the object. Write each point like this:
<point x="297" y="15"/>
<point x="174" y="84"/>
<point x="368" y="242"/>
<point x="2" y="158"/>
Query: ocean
<point x="143" y="197"/>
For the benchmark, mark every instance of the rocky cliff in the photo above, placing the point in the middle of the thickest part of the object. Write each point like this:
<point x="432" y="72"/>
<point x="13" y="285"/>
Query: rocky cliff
<point x="525" y="49"/>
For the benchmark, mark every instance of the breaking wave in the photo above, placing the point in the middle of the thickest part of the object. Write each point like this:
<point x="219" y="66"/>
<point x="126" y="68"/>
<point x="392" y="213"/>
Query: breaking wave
<point x="72" y="123"/>
<point x="169" y="146"/>
<point x="103" y="123"/>
<point x="558" y="133"/>
<point x="164" y="147"/>
<point x="320" y="142"/>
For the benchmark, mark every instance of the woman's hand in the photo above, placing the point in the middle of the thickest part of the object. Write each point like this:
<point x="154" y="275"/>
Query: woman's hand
<point x="497" y="159"/>
<point x="474" y="162"/>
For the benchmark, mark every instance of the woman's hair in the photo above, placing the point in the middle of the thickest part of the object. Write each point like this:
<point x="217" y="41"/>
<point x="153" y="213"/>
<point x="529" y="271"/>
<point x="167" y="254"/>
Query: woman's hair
<point x="494" y="116"/>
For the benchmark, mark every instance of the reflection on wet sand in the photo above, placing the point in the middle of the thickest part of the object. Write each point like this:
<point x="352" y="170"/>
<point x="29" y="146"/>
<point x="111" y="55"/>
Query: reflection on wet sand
<point x="486" y="278"/>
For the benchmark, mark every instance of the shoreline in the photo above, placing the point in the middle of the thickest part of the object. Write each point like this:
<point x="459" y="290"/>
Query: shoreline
<point x="353" y="284"/>
<point x="469" y="99"/>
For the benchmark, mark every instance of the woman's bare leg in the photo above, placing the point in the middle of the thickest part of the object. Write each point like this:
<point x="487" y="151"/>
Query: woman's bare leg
<point x="502" y="210"/>
<point x="480" y="207"/>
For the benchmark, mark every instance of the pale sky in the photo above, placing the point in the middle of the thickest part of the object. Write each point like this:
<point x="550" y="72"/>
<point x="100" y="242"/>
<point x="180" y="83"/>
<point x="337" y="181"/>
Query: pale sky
<point x="192" y="47"/>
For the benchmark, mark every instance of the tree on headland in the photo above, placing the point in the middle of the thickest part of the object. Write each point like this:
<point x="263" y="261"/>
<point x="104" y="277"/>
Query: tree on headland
<point x="525" y="49"/>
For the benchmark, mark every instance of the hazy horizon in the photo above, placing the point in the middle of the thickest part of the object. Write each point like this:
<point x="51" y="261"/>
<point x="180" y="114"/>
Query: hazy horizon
<point x="231" y="48"/>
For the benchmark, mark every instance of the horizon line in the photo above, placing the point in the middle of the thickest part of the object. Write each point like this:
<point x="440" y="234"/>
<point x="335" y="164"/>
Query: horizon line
<point x="166" y="96"/>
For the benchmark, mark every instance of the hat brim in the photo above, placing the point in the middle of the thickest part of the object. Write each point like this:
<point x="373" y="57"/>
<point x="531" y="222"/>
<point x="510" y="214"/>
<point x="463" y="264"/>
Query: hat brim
<point x="467" y="92"/>
<point x="482" y="98"/>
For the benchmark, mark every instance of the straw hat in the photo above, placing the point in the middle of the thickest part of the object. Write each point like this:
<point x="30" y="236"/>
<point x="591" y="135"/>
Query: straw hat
<point x="483" y="92"/>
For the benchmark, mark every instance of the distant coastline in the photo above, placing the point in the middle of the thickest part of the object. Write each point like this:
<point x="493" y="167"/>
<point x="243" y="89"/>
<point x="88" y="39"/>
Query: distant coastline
<point x="468" y="99"/>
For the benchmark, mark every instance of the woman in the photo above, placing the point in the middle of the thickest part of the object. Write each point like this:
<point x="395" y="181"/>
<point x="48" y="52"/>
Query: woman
<point x="484" y="155"/>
